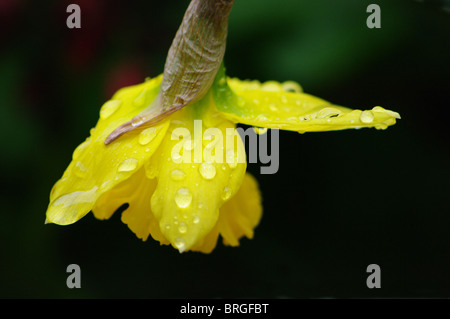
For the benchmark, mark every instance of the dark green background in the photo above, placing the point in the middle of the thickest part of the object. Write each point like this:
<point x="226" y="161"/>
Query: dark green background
<point x="340" y="201"/>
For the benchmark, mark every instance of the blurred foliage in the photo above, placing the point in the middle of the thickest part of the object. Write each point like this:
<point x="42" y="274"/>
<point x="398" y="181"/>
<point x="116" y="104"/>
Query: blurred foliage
<point x="340" y="201"/>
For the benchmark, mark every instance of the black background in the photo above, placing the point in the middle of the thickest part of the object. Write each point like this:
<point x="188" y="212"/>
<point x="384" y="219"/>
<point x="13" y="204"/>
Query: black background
<point x="339" y="202"/>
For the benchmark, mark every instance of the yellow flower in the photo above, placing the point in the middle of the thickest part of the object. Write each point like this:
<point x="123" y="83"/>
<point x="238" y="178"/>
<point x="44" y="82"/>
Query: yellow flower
<point x="188" y="204"/>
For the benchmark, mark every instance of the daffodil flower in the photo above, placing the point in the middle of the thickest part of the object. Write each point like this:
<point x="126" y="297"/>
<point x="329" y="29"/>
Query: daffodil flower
<point x="181" y="203"/>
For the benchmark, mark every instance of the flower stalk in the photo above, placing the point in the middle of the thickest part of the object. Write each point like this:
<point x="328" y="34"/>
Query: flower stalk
<point x="192" y="63"/>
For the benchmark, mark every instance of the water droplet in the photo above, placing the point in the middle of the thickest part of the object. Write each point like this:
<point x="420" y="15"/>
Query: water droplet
<point x="177" y="175"/>
<point x="147" y="136"/>
<point x="196" y="219"/>
<point x="180" y="244"/>
<point x="226" y="194"/>
<point x="136" y="121"/>
<point x="260" y="130"/>
<point x="167" y="226"/>
<point x="109" y="108"/>
<point x="366" y="117"/>
<point x="224" y="167"/>
<point x="327" y="113"/>
<point x="151" y="169"/>
<point x="176" y="157"/>
<point x="231" y="158"/>
<point x="183" y="197"/>
<point x="182" y="228"/>
<point x="284" y="98"/>
<point x="207" y="170"/>
<point x="200" y="205"/>
<point x="256" y="101"/>
<point x="222" y="81"/>
<point x="271" y="86"/>
<point x="76" y="198"/>
<point x="81" y="170"/>
<point x="127" y="165"/>
<point x="291" y="86"/>
<point x="273" y="107"/>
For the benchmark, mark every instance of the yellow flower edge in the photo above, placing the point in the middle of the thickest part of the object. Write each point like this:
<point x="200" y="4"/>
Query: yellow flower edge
<point x="188" y="205"/>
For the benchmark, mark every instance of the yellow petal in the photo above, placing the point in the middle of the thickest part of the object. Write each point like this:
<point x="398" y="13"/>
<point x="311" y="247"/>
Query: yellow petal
<point x="192" y="184"/>
<point x="136" y="192"/>
<point x="237" y="218"/>
<point x="284" y="106"/>
<point x="97" y="168"/>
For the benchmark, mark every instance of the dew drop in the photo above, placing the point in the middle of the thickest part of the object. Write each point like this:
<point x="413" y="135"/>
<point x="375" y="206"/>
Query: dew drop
<point x="182" y="228"/>
<point x="284" y="98"/>
<point x="76" y="198"/>
<point x="127" y="165"/>
<point x="147" y="136"/>
<point x="196" y="219"/>
<point x="207" y="170"/>
<point x="327" y="113"/>
<point x="136" y="121"/>
<point x="177" y="175"/>
<point x="176" y="157"/>
<point x="271" y="86"/>
<point x="231" y="158"/>
<point x="291" y="86"/>
<point x="109" y="108"/>
<point x="183" y="197"/>
<point x="180" y="244"/>
<point x="226" y="194"/>
<point x="81" y="170"/>
<point x="366" y="117"/>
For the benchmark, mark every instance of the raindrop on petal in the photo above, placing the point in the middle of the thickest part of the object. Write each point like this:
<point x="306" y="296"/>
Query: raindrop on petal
<point x="196" y="219"/>
<point x="183" y="197"/>
<point x="177" y="175"/>
<point x="109" y="108"/>
<point x="182" y="228"/>
<point x="147" y="136"/>
<point x="366" y="117"/>
<point x="226" y="194"/>
<point x="180" y="244"/>
<point x="207" y="170"/>
<point x="127" y="165"/>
